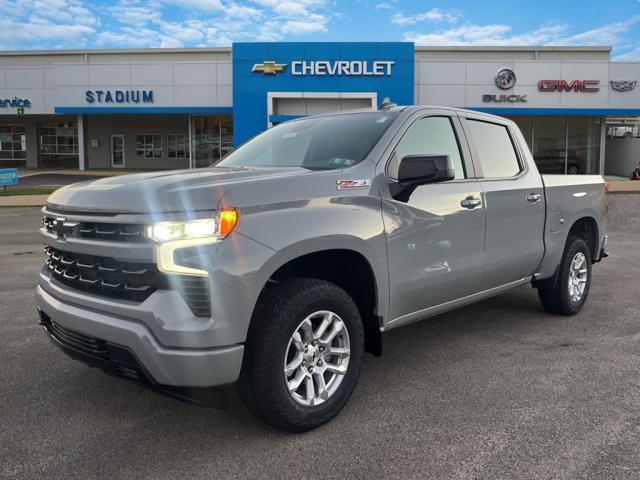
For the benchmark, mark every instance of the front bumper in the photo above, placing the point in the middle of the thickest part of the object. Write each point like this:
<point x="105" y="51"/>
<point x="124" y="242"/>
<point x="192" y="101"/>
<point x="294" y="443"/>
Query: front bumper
<point x="154" y="363"/>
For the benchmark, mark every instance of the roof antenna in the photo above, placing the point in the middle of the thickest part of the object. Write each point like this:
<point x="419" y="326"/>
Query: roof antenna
<point x="387" y="104"/>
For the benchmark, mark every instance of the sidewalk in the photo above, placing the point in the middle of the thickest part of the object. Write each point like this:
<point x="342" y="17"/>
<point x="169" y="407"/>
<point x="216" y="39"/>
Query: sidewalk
<point x="24" y="201"/>
<point x="624" y="186"/>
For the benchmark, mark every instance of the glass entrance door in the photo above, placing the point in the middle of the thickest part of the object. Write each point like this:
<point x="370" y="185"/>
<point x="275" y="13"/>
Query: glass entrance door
<point x="117" y="151"/>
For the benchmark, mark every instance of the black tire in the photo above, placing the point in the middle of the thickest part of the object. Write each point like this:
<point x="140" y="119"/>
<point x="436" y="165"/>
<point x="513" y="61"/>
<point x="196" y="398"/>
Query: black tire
<point x="262" y="385"/>
<point x="558" y="300"/>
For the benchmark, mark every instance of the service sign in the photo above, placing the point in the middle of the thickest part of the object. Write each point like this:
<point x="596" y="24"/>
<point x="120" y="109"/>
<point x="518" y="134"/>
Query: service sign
<point x="15" y="102"/>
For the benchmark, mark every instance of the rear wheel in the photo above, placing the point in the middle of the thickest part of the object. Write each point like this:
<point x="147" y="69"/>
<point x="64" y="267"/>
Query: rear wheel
<point x="303" y="354"/>
<point x="574" y="279"/>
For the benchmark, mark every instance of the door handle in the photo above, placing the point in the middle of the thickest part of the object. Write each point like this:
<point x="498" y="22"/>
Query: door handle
<point x="534" y="197"/>
<point x="470" y="202"/>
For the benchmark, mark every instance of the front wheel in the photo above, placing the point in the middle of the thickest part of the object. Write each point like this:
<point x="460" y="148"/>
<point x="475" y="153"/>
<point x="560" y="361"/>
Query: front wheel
<point x="303" y="354"/>
<point x="574" y="280"/>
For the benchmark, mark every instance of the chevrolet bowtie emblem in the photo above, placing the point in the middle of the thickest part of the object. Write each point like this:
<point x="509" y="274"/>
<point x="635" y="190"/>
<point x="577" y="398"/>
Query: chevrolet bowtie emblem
<point x="269" y="68"/>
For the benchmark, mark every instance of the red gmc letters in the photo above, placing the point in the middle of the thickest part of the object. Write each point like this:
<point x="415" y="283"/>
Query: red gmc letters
<point x="564" y="86"/>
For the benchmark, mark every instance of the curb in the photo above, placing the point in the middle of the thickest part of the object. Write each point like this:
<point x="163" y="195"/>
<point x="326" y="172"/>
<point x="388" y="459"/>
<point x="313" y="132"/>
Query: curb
<point x="24" y="201"/>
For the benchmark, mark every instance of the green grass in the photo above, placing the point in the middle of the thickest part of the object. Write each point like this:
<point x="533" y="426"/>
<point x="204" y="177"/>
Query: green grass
<point x="27" y="191"/>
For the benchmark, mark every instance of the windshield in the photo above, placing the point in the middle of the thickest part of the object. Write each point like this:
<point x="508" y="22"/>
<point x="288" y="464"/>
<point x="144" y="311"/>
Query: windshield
<point x="316" y="143"/>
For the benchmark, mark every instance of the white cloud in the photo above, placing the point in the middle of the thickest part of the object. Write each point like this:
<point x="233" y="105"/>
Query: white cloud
<point x="384" y="6"/>
<point x="500" y="34"/>
<point x="433" y="15"/>
<point x="204" y="5"/>
<point x="134" y="14"/>
<point x="611" y="34"/>
<point x="630" y="56"/>
<point x="36" y="24"/>
<point x="315" y="23"/>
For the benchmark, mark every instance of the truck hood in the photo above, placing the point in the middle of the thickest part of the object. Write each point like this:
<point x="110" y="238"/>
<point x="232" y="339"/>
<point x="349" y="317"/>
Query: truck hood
<point x="161" y="192"/>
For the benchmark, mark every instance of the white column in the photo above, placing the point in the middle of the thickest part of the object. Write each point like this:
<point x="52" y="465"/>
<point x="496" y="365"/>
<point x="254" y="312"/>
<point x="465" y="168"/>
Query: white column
<point x="81" y="143"/>
<point x="189" y="119"/>
<point x="603" y="144"/>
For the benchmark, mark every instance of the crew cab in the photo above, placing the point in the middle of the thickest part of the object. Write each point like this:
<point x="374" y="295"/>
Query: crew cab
<point x="277" y="268"/>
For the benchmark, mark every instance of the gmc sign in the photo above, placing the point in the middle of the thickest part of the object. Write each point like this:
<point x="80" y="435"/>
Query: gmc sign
<point x="564" y="86"/>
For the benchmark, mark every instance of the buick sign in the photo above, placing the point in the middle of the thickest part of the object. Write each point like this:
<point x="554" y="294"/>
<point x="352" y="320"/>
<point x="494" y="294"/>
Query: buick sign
<point x="505" y="78"/>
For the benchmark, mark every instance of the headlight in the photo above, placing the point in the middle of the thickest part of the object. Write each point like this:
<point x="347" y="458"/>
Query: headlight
<point x="170" y="236"/>
<point x="204" y="228"/>
<point x="171" y="231"/>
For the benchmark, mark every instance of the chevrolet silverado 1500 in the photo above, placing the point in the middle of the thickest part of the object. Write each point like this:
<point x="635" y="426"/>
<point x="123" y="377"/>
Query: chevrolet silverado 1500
<point x="277" y="268"/>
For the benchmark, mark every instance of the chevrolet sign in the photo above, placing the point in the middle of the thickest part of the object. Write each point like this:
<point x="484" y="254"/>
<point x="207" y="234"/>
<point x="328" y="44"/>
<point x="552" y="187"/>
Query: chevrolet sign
<point x="269" y="67"/>
<point x="351" y="68"/>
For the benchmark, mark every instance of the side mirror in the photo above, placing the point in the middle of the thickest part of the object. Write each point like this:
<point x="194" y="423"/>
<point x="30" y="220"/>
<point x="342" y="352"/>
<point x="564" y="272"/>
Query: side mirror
<point x="417" y="170"/>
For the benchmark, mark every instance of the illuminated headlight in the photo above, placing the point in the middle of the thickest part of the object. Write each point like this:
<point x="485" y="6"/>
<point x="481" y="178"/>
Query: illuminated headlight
<point x="172" y="231"/>
<point x="171" y="236"/>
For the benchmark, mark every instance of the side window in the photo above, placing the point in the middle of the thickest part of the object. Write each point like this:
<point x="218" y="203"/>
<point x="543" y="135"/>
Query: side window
<point x="497" y="153"/>
<point x="428" y="136"/>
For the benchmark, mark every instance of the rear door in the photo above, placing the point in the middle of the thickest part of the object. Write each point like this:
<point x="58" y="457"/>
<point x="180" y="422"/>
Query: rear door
<point x="435" y="237"/>
<point x="513" y="197"/>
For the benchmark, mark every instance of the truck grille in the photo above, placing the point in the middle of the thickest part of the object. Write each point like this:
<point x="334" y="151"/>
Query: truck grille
<point x="112" y="232"/>
<point x="123" y="280"/>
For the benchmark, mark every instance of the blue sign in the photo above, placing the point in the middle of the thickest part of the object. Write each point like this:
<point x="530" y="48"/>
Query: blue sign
<point x="383" y="68"/>
<point x="118" y="96"/>
<point x="8" y="176"/>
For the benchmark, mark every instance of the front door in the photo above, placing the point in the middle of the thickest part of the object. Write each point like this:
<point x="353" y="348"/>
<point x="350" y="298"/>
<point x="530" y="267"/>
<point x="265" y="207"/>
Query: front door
<point x="117" y="151"/>
<point x="435" y="237"/>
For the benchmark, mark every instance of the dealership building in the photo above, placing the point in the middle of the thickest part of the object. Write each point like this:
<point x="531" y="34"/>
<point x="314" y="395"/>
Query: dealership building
<point x="186" y="108"/>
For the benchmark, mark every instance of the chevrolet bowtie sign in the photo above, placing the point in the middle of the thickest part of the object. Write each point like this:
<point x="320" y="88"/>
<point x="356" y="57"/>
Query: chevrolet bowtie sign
<point x="269" y="67"/>
<point x="350" y="68"/>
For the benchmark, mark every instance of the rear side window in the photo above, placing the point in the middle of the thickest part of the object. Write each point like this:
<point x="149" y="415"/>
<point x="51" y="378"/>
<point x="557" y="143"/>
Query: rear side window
<point x="428" y="136"/>
<point x="497" y="154"/>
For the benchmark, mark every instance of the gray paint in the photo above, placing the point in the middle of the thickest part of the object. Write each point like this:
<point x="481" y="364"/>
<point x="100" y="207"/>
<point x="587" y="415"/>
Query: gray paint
<point x="289" y="212"/>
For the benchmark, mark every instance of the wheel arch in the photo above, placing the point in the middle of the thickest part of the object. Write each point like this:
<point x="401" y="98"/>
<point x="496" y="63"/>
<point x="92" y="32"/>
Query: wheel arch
<point x="352" y="269"/>
<point x="586" y="227"/>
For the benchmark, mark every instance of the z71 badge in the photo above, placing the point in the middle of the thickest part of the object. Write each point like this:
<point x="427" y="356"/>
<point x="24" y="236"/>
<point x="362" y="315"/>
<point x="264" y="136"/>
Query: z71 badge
<point x="353" y="184"/>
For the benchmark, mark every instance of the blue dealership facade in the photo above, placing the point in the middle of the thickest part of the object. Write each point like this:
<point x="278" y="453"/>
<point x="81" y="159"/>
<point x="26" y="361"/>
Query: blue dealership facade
<point x="186" y="108"/>
<point x="308" y="68"/>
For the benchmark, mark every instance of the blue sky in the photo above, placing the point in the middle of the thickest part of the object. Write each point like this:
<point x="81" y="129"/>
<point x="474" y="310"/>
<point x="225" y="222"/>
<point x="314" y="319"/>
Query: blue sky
<point x="69" y="24"/>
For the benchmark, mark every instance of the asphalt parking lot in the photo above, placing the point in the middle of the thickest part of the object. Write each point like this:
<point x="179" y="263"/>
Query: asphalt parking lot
<point x="496" y="390"/>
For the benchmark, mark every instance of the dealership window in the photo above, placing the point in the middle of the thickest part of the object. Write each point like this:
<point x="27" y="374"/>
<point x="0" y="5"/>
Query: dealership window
<point x="59" y="145"/>
<point x="178" y="146"/>
<point x="212" y="138"/>
<point x="13" y="146"/>
<point x="550" y="144"/>
<point x="562" y="145"/>
<point x="148" y="145"/>
<point x="583" y="145"/>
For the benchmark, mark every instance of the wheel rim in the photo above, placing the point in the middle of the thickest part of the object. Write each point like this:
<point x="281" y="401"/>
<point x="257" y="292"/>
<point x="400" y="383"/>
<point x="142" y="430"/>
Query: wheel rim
<point x="317" y="358"/>
<point x="578" y="274"/>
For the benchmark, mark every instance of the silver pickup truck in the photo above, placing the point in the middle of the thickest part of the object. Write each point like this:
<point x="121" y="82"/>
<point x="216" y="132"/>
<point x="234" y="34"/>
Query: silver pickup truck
<point x="276" y="269"/>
